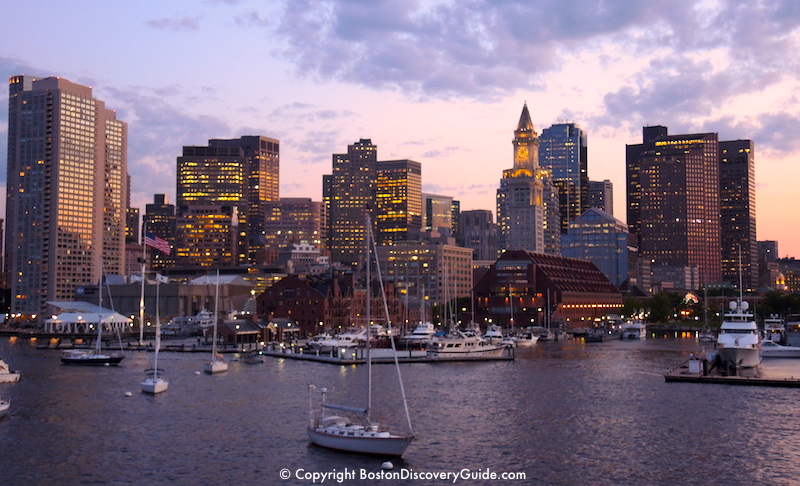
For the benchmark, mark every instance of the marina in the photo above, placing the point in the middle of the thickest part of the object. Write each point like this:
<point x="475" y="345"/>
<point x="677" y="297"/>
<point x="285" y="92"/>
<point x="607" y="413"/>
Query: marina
<point x="545" y="401"/>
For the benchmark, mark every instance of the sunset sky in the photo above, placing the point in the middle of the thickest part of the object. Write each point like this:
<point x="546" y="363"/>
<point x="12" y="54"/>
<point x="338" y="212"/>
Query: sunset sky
<point x="439" y="82"/>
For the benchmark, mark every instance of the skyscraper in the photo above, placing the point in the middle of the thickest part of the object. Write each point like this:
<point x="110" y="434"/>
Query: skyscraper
<point x="350" y="193"/>
<point x="438" y="213"/>
<point x="563" y="149"/>
<point x="67" y="186"/>
<point x="159" y="219"/>
<point x="293" y="220"/>
<point x="240" y="173"/>
<point x="676" y="179"/>
<point x="478" y="232"/>
<point x="398" y="200"/>
<point x="520" y="211"/>
<point x="601" y="196"/>
<point x="737" y="188"/>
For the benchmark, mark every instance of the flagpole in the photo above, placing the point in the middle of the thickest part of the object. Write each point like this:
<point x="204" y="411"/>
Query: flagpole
<point x="141" y="299"/>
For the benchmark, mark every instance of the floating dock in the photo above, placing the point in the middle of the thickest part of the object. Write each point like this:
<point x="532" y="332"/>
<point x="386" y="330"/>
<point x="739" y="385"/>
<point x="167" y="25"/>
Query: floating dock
<point x="703" y="368"/>
<point x="379" y="356"/>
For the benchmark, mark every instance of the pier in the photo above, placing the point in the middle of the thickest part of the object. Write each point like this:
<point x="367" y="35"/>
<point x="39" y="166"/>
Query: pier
<point x="703" y="368"/>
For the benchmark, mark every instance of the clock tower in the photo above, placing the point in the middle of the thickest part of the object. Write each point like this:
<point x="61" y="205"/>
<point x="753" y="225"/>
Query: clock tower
<point x="526" y="144"/>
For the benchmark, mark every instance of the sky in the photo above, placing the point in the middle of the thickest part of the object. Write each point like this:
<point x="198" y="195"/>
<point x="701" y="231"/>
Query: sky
<point x="439" y="82"/>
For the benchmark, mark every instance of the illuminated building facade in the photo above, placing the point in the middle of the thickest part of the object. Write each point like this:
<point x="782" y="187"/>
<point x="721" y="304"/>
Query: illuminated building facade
<point x="292" y="220"/>
<point x="67" y="191"/>
<point x="160" y="220"/>
<point x="398" y="200"/>
<point x="436" y="272"/>
<point x="737" y="188"/>
<point x="521" y="284"/>
<point x="520" y="209"/>
<point x="350" y="192"/>
<point x="240" y="173"/>
<point x="677" y="202"/>
<point x="563" y="149"/>
<point x="601" y="196"/>
<point x="208" y="236"/>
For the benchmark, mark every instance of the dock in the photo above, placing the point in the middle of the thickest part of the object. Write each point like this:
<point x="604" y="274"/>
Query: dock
<point x="379" y="356"/>
<point x="703" y="368"/>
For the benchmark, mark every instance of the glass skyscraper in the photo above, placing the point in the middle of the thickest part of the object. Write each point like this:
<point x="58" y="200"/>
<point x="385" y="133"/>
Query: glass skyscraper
<point x="563" y="149"/>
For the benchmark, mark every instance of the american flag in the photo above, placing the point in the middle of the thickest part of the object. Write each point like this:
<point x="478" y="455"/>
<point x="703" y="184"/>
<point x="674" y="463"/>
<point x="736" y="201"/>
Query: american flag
<point x="159" y="244"/>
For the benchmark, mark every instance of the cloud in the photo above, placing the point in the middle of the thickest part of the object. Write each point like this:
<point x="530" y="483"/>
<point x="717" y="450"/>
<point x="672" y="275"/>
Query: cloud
<point x="182" y="24"/>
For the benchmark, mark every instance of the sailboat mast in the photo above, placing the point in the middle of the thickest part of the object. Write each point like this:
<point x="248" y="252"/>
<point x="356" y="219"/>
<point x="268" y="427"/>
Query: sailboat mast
<point x="141" y="299"/>
<point x="99" y="310"/>
<point x="368" y="234"/>
<point x="158" y="329"/>
<point x="216" y="318"/>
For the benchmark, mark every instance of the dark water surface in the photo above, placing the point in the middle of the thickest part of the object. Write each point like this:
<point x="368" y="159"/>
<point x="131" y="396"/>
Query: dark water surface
<point x="566" y="413"/>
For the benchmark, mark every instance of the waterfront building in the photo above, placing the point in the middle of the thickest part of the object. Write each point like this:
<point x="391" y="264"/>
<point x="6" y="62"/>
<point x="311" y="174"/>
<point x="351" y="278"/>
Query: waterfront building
<point x="241" y="173"/>
<point x="349" y="193"/>
<point x="160" y="220"/>
<point x="208" y="236"/>
<point x="601" y="196"/>
<point x="674" y="204"/>
<point x="67" y="183"/>
<point x="602" y="239"/>
<point x="737" y="188"/>
<point x="520" y="209"/>
<point x="438" y="272"/>
<point x="522" y="284"/>
<point x="563" y="150"/>
<point x="398" y="200"/>
<point x="478" y="232"/>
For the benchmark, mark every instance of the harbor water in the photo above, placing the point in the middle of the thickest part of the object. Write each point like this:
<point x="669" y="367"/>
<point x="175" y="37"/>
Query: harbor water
<point x="561" y="413"/>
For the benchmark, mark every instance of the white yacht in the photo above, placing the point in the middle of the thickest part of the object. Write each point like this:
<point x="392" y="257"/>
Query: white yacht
<point x="634" y="329"/>
<point x="774" y="328"/>
<point x="526" y="338"/>
<point x="347" y="339"/>
<point x="738" y="342"/>
<point x="771" y="349"/>
<point x="6" y="375"/>
<point x="493" y="334"/>
<point x="423" y="332"/>
<point x="463" y="347"/>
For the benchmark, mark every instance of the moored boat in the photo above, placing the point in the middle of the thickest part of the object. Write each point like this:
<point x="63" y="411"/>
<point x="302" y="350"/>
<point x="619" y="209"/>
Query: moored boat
<point x="6" y="374"/>
<point x="738" y="341"/>
<point x="463" y="347"/>
<point x="5" y="405"/>
<point x="634" y="329"/>
<point x="772" y="349"/>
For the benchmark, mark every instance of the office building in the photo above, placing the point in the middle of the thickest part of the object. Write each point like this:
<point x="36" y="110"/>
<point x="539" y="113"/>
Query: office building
<point x="602" y="239"/>
<point x="398" y="200"/>
<point x="563" y="149"/>
<point x="737" y="191"/>
<point x="293" y="220"/>
<point x="66" y="194"/>
<point x="241" y="173"/>
<point x="768" y="272"/>
<point x="160" y="220"/>
<point x="478" y="232"/>
<point x="349" y="193"/>
<point x="520" y="210"/>
<point x="601" y="196"/>
<point x="674" y="206"/>
<point x="208" y="236"/>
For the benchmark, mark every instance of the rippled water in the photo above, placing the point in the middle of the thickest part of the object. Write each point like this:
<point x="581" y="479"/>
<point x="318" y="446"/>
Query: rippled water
<point x="566" y="413"/>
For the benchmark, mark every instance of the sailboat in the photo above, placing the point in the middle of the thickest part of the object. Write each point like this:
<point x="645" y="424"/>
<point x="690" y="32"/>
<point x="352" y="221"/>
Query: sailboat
<point x="95" y="357"/>
<point x="217" y="364"/>
<point x="155" y="380"/>
<point x="368" y="437"/>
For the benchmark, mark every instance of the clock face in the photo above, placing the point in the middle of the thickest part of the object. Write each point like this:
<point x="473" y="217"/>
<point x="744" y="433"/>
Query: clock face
<point x="523" y="152"/>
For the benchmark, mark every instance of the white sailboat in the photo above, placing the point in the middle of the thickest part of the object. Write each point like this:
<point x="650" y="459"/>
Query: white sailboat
<point x="155" y="380"/>
<point x="367" y="437"/>
<point x="217" y="364"/>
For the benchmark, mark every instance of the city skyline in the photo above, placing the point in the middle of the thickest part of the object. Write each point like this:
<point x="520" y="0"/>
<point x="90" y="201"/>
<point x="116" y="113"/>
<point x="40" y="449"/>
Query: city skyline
<point x="412" y="79"/>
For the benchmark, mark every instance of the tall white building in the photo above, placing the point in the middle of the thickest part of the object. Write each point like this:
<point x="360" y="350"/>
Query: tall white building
<point x="66" y="195"/>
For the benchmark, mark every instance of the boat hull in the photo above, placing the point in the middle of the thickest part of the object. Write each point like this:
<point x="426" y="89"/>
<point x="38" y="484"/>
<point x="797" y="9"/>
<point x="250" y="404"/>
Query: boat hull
<point x="485" y="352"/>
<point x="771" y="349"/>
<point x="92" y="360"/>
<point x="215" y="367"/>
<point x="157" y="385"/>
<point x="749" y="357"/>
<point x="391" y="446"/>
<point x="9" y="377"/>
